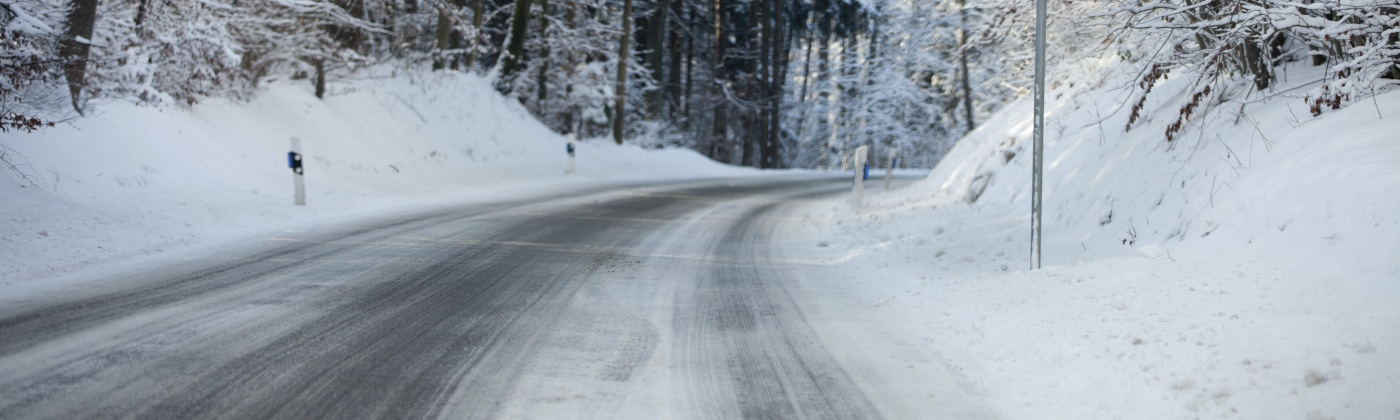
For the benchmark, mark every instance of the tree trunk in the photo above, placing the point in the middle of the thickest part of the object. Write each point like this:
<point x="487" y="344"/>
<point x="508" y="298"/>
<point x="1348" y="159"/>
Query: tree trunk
<point x="320" y="78"/>
<point x="477" y="10"/>
<point x="746" y="156"/>
<point x="806" y="70"/>
<point x="848" y="93"/>
<point x="719" y="147"/>
<point x="826" y="124"/>
<point x="673" y="82"/>
<point x="619" y="111"/>
<point x="779" y="74"/>
<point x="141" y="13"/>
<point x="542" y="88"/>
<point x="73" y="50"/>
<point x="443" y="36"/>
<point x="765" y="82"/>
<point x="874" y="41"/>
<point x="455" y="44"/>
<point x="1257" y="64"/>
<point x="689" y="73"/>
<point x="806" y="84"/>
<point x="656" y="46"/>
<point x="520" y="22"/>
<point x="748" y="67"/>
<point x="719" y="141"/>
<point x="743" y="76"/>
<point x="568" y="60"/>
<point x="962" y="58"/>
<point x="859" y="135"/>
<point x="349" y="36"/>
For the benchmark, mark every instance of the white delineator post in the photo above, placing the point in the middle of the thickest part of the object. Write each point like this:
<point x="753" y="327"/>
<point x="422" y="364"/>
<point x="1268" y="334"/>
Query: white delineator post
<point x="889" y="166"/>
<point x="570" y="149"/>
<point x="294" y="160"/>
<point x="859" y="189"/>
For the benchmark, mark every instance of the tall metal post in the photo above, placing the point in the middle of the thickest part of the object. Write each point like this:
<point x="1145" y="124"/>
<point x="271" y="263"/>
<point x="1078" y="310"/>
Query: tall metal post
<point x="1039" y="147"/>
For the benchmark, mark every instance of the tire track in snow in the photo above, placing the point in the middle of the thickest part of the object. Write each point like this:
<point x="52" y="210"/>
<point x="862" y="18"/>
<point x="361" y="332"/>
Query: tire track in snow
<point x="744" y="339"/>
<point x="457" y="314"/>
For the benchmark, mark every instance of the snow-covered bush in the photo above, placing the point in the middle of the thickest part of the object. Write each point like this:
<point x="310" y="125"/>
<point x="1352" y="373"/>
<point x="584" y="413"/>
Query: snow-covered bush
<point x="29" y="69"/>
<point x="1216" y="41"/>
<point x="184" y="50"/>
<point x="1229" y="49"/>
<point x="1005" y="36"/>
<point x="177" y="51"/>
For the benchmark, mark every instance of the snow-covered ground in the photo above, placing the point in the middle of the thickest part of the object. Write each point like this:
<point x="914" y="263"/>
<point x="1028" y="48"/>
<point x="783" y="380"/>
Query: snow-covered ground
<point x="135" y="180"/>
<point x="1249" y="269"/>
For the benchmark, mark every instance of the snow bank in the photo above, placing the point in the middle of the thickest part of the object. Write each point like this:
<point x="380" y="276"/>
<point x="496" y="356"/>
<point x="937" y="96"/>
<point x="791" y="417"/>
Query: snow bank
<point x="134" y="180"/>
<point x="1250" y="268"/>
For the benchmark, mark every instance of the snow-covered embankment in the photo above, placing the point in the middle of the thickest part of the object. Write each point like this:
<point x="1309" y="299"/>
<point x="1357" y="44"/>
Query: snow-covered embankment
<point x="133" y="180"/>
<point x="1248" y="268"/>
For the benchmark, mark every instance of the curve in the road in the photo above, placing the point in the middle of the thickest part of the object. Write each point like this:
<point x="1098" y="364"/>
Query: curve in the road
<point x="631" y="303"/>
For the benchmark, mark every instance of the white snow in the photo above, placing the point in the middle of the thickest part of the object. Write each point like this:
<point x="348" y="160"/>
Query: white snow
<point x="136" y="180"/>
<point x="25" y="23"/>
<point x="1250" y="269"/>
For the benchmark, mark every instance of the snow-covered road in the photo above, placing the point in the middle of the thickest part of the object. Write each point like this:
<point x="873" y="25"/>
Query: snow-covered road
<point x="675" y="301"/>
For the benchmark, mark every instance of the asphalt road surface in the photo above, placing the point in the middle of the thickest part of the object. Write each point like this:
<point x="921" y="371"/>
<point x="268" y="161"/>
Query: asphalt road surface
<point x="639" y="302"/>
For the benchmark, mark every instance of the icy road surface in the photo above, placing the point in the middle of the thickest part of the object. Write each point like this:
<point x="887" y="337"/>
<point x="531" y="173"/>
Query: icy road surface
<point x="672" y="301"/>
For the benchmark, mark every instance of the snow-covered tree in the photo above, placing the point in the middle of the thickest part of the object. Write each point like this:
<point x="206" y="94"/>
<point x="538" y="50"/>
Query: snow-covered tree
<point x="769" y="83"/>
<point x="1219" y="40"/>
<point x="184" y="50"/>
<point x="568" y="71"/>
<point x="895" y="81"/>
<point x="179" y="51"/>
<point x="29" y="70"/>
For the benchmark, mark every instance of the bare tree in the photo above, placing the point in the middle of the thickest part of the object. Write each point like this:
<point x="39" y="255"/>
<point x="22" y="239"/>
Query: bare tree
<point x="77" y="41"/>
<point x="620" y="109"/>
<point x="519" y="25"/>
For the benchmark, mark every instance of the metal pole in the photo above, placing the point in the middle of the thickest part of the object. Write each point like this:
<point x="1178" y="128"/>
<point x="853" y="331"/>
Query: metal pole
<point x="1039" y="147"/>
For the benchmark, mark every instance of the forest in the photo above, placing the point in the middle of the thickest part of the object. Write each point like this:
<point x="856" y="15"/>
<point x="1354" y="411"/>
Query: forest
<point x="762" y="83"/>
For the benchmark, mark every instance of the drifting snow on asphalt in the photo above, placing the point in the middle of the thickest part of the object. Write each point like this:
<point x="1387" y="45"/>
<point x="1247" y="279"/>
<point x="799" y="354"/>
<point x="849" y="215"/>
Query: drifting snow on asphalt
<point x="639" y="302"/>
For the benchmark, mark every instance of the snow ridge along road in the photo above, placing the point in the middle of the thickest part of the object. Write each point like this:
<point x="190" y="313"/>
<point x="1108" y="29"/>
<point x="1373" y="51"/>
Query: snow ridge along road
<point x="641" y="302"/>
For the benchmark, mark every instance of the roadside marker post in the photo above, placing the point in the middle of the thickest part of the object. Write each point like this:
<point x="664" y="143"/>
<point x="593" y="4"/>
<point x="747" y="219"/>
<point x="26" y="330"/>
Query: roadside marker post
<point x="862" y="171"/>
<point x="889" y="168"/>
<point x="294" y="161"/>
<point x="570" y="148"/>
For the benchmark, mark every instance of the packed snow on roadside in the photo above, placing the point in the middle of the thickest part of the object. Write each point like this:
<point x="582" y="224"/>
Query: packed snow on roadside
<point x="135" y="180"/>
<point x="1249" y="269"/>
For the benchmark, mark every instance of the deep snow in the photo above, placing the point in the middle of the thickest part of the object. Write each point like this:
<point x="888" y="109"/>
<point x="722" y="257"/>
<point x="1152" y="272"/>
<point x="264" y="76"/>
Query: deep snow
<point x="1250" y="269"/>
<point x="135" y="180"/>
